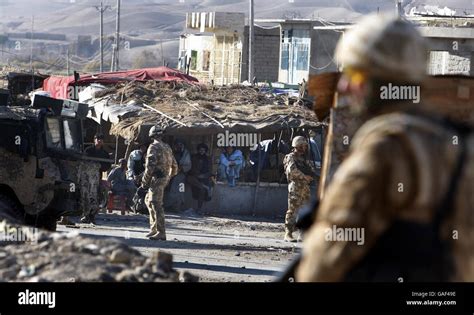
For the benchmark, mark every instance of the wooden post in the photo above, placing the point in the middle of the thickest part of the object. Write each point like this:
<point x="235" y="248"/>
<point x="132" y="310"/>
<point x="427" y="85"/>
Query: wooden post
<point x="257" y="184"/>
<point x="116" y="150"/>
<point x="129" y="150"/>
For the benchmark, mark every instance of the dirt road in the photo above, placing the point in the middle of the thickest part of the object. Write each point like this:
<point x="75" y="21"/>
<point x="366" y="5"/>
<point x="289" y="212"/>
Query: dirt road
<point x="215" y="249"/>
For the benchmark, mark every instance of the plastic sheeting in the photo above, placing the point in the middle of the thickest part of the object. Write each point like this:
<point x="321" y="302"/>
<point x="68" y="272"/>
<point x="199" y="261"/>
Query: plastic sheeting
<point x="63" y="87"/>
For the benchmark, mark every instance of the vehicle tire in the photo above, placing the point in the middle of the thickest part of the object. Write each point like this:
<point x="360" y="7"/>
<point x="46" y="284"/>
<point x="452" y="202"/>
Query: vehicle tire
<point x="48" y="222"/>
<point x="42" y="221"/>
<point x="11" y="210"/>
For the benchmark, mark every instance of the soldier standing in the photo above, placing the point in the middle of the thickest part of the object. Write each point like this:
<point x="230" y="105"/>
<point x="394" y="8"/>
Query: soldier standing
<point x="160" y="166"/>
<point x="91" y="182"/>
<point x="300" y="173"/>
<point x="406" y="185"/>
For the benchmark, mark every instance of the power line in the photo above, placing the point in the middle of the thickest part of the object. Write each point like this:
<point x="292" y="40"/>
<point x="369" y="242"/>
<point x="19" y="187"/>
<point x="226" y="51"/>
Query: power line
<point x="33" y="59"/>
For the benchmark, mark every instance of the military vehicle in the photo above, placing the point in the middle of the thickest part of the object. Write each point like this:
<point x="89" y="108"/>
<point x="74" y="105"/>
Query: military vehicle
<point x="41" y="161"/>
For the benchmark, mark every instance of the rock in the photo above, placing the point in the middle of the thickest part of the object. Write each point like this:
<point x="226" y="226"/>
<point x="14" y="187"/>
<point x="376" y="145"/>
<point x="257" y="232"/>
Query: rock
<point x="126" y="275"/>
<point x="185" y="276"/>
<point x="61" y="257"/>
<point x="253" y="227"/>
<point x="237" y="254"/>
<point x="91" y="249"/>
<point x="119" y="256"/>
<point x="7" y="262"/>
<point x="37" y="279"/>
<point x="8" y="274"/>
<point x="106" y="277"/>
<point x="163" y="261"/>
<point x="27" y="271"/>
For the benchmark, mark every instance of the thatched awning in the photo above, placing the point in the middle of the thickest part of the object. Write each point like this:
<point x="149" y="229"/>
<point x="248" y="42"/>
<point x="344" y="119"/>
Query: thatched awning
<point x="185" y="109"/>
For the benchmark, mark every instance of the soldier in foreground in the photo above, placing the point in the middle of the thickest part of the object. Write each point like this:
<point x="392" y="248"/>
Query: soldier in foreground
<point x="160" y="166"/>
<point x="407" y="182"/>
<point x="300" y="173"/>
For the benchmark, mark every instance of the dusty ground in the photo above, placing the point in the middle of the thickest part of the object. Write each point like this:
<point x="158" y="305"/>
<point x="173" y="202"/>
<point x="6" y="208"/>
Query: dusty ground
<point x="215" y="249"/>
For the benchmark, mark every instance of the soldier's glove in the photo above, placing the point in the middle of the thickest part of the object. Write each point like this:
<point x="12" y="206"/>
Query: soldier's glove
<point x="141" y="191"/>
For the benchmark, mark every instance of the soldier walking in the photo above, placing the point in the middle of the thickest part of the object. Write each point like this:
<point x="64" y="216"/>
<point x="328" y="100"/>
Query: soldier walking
<point x="160" y="166"/>
<point x="300" y="173"/>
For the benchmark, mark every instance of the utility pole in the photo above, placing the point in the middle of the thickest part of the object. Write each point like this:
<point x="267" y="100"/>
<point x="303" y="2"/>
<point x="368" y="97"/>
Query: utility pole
<point x="112" y="64"/>
<point x="251" y="41"/>
<point x="117" y="38"/>
<point x="31" y="53"/>
<point x="101" y="10"/>
<point x="162" y="55"/>
<point x="67" y="62"/>
<point x="398" y="8"/>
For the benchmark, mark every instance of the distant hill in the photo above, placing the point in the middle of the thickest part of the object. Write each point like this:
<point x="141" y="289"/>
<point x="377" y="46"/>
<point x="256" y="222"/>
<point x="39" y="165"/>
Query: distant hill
<point x="164" y="19"/>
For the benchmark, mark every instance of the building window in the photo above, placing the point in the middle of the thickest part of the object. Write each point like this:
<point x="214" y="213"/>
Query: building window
<point x="206" y="60"/>
<point x="72" y="136"/>
<point x="194" y="55"/>
<point x="438" y="61"/>
<point x="285" y="56"/>
<point x="53" y="134"/>
<point x="302" y="56"/>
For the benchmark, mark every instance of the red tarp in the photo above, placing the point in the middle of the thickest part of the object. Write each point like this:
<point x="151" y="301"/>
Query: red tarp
<point x="63" y="87"/>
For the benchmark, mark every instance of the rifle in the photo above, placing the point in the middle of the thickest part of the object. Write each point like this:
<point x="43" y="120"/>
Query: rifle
<point x="304" y="222"/>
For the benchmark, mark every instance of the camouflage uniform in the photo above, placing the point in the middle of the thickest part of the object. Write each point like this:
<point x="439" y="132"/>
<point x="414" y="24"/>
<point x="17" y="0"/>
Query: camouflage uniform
<point x="160" y="166"/>
<point x="399" y="169"/>
<point x="296" y="170"/>
<point x="88" y="179"/>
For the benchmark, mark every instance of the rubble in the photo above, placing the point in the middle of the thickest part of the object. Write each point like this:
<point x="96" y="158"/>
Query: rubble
<point x="66" y="257"/>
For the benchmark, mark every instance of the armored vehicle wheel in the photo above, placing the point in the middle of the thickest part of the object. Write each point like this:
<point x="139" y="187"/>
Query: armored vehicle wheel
<point x="10" y="210"/>
<point x="43" y="221"/>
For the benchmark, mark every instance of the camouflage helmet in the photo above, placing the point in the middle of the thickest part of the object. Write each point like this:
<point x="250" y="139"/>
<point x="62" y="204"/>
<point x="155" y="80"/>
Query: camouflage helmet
<point x="155" y="131"/>
<point x="299" y="140"/>
<point x="385" y="47"/>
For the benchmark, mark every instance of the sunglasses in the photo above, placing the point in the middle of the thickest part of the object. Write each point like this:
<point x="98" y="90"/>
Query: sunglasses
<point x="355" y="76"/>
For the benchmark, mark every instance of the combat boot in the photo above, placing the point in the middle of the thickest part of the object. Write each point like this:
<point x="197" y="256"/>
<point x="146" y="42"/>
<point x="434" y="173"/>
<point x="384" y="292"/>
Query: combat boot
<point x="151" y="233"/>
<point x="85" y="220"/>
<point x="158" y="237"/>
<point x="289" y="236"/>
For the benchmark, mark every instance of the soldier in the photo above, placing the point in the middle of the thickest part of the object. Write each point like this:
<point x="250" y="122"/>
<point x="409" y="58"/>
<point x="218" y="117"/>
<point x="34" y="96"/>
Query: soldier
<point x="160" y="166"/>
<point x="88" y="179"/>
<point x="300" y="173"/>
<point x="91" y="182"/>
<point x="404" y="186"/>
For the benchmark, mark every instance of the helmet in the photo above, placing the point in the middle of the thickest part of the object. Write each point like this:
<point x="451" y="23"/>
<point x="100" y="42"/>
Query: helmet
<point x="299" y="140"/>
<point x="155" y="131"/>
<point x="385" y="47"/>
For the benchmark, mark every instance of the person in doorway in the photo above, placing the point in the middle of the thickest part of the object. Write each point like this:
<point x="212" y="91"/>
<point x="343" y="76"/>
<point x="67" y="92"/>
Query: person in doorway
<point x="230" y="164"/>
<point x="199" y="177"/>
